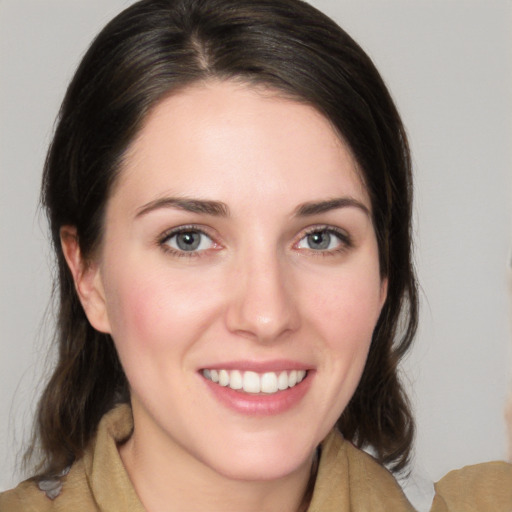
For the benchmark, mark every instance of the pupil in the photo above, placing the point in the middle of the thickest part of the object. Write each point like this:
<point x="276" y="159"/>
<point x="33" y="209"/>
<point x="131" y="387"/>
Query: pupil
<point x="319" y="240"/>
<point x="188" y="241"/>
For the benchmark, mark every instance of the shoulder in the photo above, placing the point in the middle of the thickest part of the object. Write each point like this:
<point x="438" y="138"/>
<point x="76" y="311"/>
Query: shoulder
<point x="486" y="486"/>
<point x="96" y="481"/>
<point x="69" y="492"/>
<point x="377" y="480"/>
<point x="26" y="497"/>
<point x="350" y="479"/>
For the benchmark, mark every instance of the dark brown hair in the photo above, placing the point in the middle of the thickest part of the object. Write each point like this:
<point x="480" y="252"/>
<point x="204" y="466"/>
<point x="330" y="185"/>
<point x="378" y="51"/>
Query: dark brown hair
<point x="154" y="48"/>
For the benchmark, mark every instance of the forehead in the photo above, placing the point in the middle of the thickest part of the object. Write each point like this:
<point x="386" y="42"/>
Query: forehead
<point x="230" y="141"/>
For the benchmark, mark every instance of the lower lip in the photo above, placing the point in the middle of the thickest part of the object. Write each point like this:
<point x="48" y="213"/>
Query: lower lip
<point x="261" y="404"/>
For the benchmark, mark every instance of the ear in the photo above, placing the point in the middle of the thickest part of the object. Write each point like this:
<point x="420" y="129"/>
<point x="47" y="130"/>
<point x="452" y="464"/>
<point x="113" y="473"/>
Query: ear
<point x="383" y="291"/>
<point x="87" y="278"/>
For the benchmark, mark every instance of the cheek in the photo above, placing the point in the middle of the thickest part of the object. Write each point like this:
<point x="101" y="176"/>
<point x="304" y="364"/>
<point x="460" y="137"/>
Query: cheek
<point x="348" y="305"/>
<point x="152" y="311"/>
<point x="345" y="314"/>
<point x="154" y="323"/>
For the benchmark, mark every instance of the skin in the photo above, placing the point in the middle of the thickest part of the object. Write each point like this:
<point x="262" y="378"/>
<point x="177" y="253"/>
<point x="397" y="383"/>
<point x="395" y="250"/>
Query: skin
<point x="254" y="291"/>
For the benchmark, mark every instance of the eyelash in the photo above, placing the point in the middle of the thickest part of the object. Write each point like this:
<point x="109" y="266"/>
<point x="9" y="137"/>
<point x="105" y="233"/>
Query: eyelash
<point x="165" y="237"/>
<point x="343" y="237"/>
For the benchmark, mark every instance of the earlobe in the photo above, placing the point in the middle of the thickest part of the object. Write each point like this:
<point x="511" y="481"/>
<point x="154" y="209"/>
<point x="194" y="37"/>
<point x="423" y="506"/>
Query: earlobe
<point x="87" y="279"/>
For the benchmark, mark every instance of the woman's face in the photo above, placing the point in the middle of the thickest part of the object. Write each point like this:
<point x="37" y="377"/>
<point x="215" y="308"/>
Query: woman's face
<point x="238" y="252"/>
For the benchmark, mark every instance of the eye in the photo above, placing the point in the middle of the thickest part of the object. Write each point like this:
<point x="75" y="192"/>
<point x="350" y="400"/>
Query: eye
<point x="188" y="240"/>
<point x="325" y="239"/>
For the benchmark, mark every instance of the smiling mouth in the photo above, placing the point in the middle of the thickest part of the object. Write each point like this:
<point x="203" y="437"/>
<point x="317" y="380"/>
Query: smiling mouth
<point x="253" y="382"/>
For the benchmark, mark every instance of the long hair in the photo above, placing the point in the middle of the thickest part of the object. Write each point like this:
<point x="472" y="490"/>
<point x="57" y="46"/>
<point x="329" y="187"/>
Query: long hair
<point x="155" y="48"/>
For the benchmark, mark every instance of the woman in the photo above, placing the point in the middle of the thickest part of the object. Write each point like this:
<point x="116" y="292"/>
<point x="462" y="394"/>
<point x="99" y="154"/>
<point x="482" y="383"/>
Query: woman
<point x="229" y="194"/>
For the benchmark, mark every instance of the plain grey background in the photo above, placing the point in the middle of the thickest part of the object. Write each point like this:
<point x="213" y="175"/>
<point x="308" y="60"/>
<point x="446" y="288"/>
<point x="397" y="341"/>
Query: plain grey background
<point x="449" y="67"/>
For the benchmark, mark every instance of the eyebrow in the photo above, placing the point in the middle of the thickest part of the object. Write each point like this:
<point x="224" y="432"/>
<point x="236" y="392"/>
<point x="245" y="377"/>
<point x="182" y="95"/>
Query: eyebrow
<point x="220" y="209"/>
<point x="215" y="208"/>
<point x="317" y="207"/>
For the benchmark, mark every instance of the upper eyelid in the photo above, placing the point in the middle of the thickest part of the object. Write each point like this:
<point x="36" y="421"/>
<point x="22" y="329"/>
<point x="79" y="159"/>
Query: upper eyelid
<point x="162" y="241"/>
<point x="183" y="229"/>
<point x="324" y="227"/>
<point x="209" y="232"/>
<point x="343" y="235"/>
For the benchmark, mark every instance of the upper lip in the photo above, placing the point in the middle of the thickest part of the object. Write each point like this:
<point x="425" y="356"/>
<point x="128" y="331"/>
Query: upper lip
<point x="259" y="366"/>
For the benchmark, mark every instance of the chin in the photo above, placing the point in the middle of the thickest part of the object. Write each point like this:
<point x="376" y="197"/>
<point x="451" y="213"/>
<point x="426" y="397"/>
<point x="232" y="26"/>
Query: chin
<point x="260" y="460"/>
<point x="261" y="469"/>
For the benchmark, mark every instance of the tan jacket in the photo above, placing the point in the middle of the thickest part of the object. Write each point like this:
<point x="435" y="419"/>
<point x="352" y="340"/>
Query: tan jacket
<point x="348" y="480"/>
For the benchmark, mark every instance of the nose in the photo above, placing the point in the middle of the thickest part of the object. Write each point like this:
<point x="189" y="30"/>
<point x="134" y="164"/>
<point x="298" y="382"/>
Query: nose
<point x="263" y="303"/>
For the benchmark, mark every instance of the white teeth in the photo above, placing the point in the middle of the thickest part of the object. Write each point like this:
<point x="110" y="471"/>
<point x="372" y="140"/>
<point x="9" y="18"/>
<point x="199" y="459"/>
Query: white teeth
<point x="252" y="382"/>
<point x="269" y="382"/>
<point x="282" y="381"/>
<point x="236" y="381"/>
<point x="223" y="378"/>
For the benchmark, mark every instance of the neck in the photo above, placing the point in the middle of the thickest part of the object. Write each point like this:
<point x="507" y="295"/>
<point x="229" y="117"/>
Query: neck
<point x="173" y="482"/>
